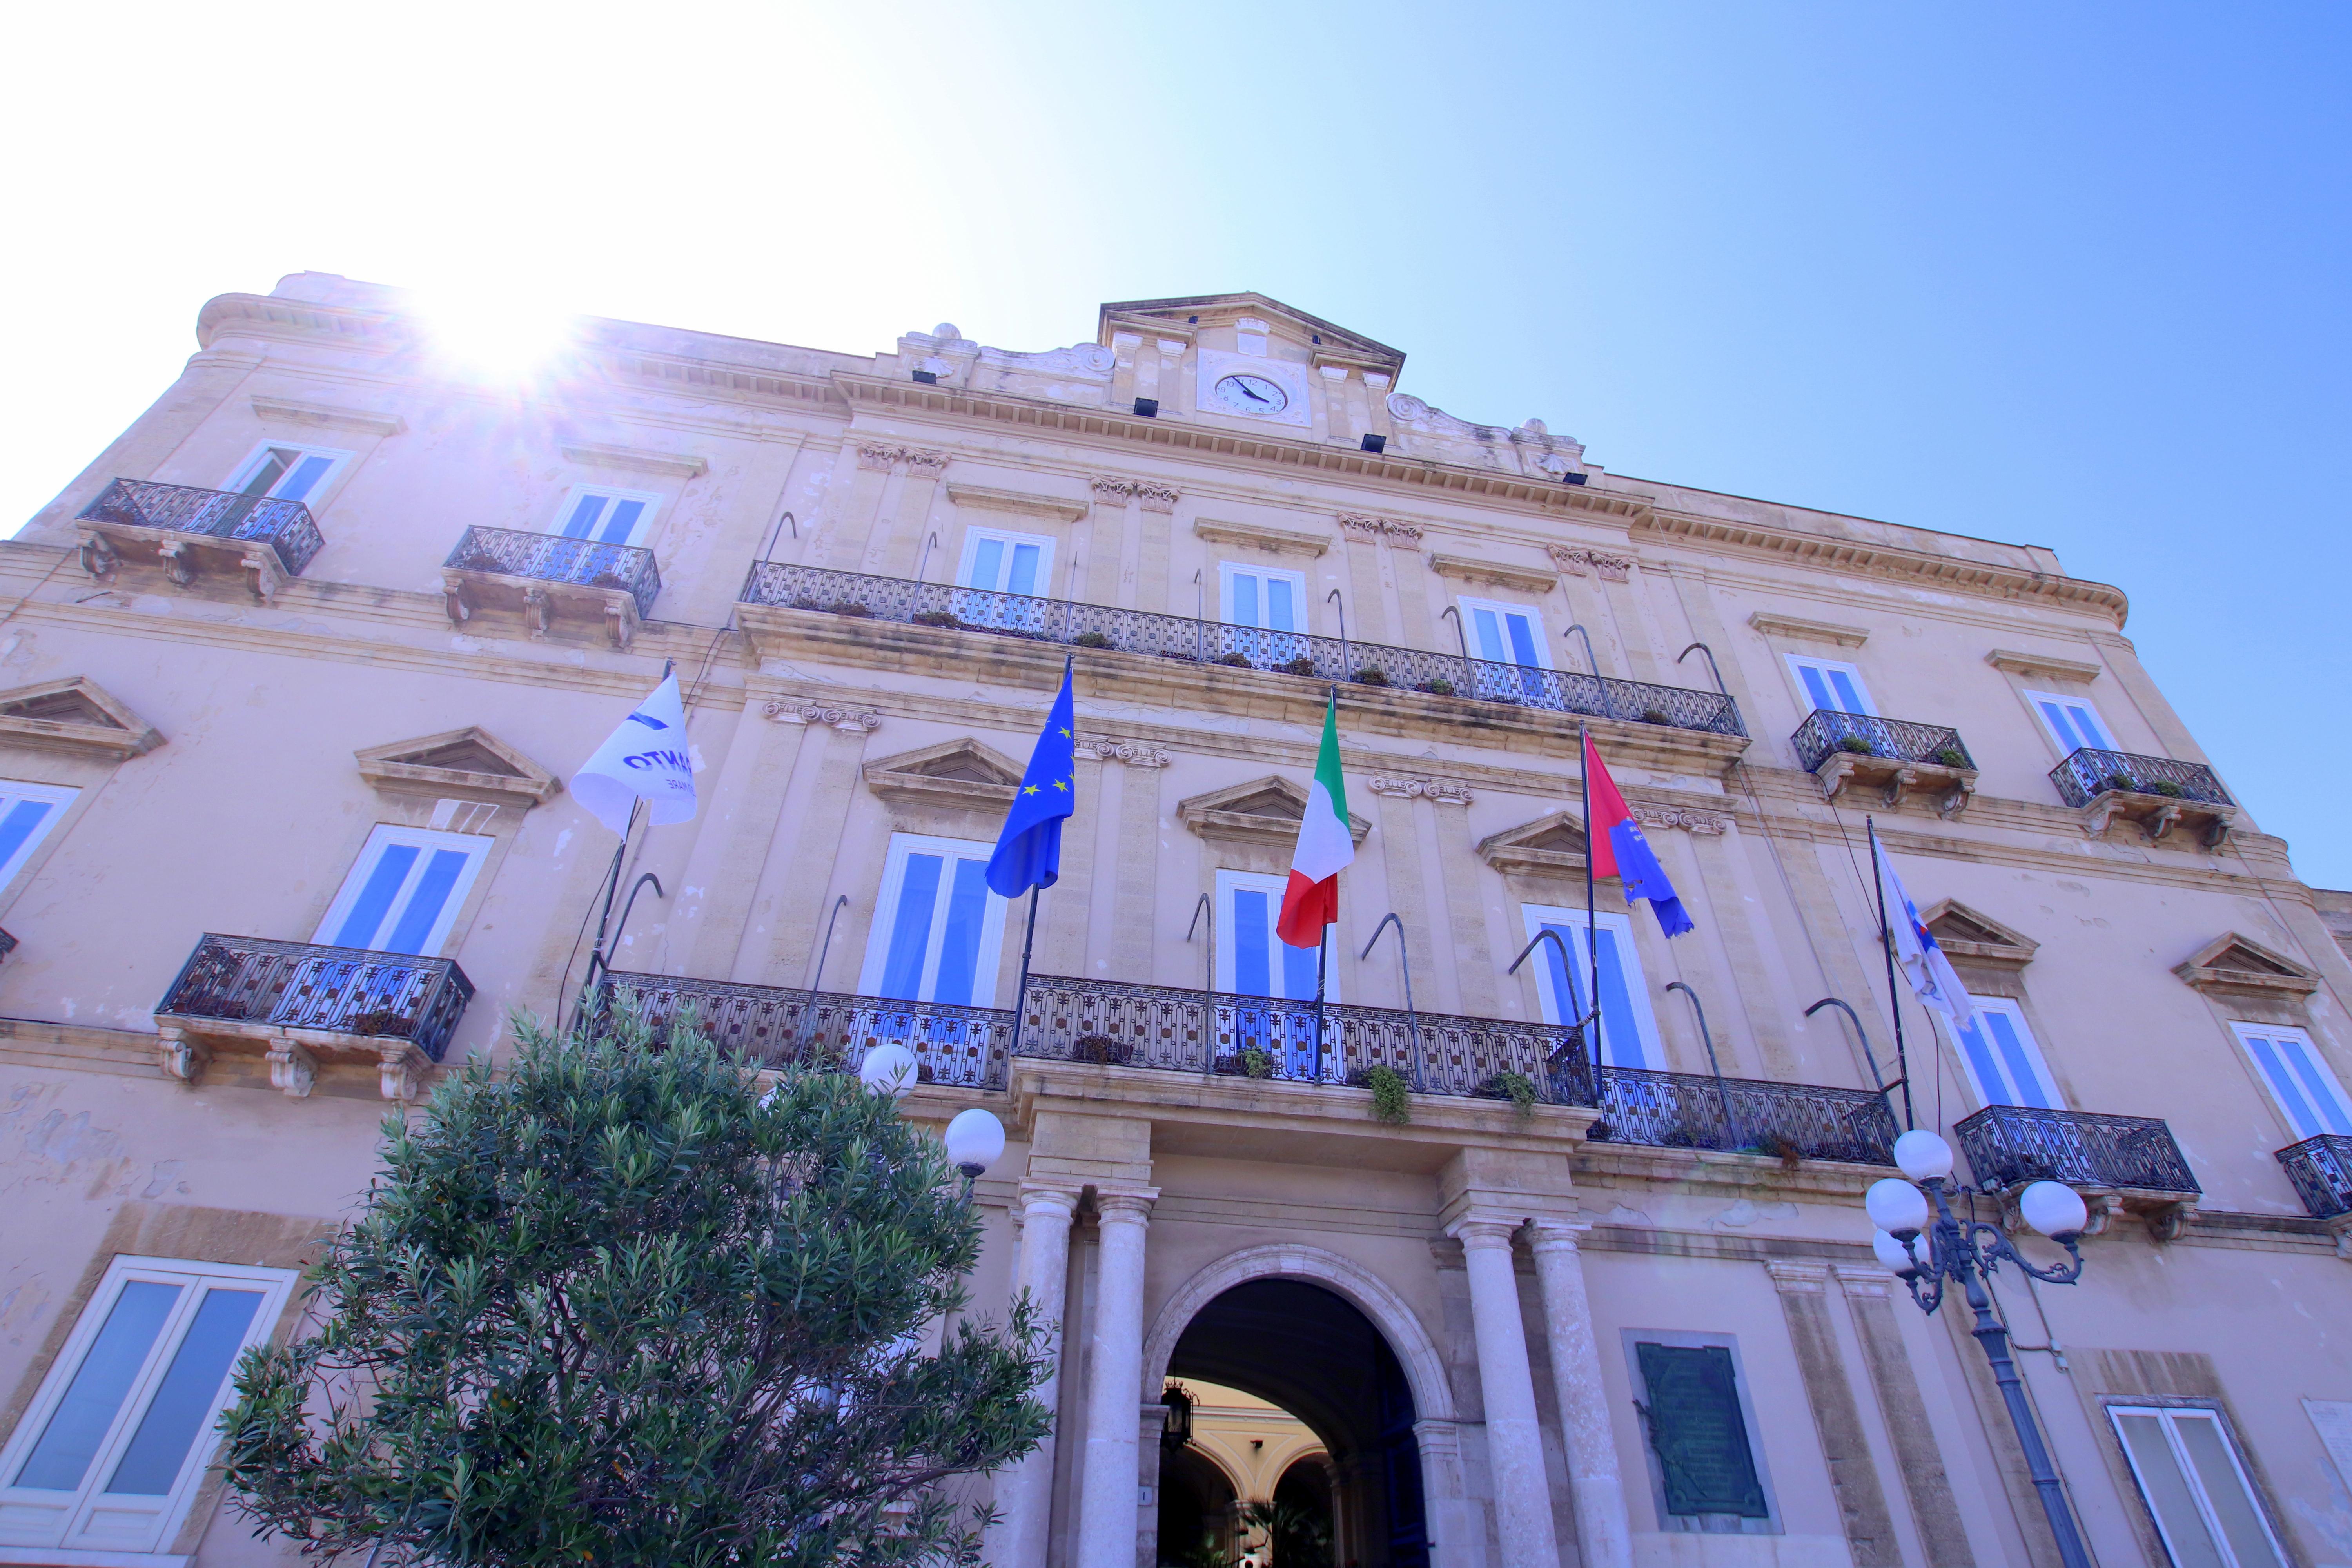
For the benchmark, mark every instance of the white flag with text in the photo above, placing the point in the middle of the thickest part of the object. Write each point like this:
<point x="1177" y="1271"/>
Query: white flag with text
<point x="648" y="759"/>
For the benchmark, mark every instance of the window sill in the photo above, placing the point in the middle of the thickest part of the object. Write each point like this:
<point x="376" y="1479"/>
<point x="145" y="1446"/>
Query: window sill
<point x="59" y="1557"/>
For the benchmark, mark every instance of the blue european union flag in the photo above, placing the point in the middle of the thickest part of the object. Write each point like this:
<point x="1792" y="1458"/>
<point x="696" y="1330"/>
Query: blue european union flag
<point x="1029" y="851"/>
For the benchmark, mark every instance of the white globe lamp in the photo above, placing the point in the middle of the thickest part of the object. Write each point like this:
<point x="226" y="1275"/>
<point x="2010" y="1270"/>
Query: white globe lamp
<point x="1893" y="1254"/>
<point x="1896" y="1207"/>
<point x="2053" y="1208"/>
<point x="888" y="1069"/>
<point x="975" y="1141"/>
<point x="1923" y="1156"/>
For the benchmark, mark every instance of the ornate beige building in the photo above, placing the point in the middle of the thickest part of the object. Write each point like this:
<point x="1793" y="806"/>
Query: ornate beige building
<point x="290" y="676"/>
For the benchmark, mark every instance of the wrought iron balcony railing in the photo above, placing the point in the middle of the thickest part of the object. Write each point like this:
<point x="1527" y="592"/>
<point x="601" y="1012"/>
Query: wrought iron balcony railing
<point x="552" y="558"/>
<point x="2088" y="773"/>
<point x="767" y="1024"/>
<point x="2008" y="1145"/>
<point x="301" y="985"/>
<point x="1752" y="1116"/>
<point x="283" y="525"/>
<point x="2321" y="1170"/>
<point x="1063" y="622"/>
<point x="1823" y="734"/>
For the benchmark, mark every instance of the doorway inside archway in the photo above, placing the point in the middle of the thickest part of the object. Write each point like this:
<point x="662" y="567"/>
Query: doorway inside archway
<point x="1304" y="1357"/>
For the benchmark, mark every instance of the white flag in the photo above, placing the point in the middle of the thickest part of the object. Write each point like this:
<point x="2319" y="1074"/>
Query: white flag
<point x="646" y="759"/>
<point x="1923" y="962"/>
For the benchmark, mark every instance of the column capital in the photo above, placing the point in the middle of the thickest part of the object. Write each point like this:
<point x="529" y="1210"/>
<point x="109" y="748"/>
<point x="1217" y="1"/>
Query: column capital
<point x="1477" y="1231"/>
<point x="1556" y="1236"/>
<point x="1864" y="1280"/>
<point x="1133" y="1205"/>
<point x="1792" y="1277"/>
<point x="1040" y="1199"/>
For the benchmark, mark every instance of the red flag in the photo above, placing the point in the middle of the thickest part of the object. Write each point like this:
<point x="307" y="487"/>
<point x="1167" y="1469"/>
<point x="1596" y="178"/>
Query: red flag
<point x="1614" y="840"/>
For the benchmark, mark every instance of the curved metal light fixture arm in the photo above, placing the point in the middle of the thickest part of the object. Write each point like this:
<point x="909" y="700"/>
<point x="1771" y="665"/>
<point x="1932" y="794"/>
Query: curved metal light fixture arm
<point x="1578" y="630"/>
<point x="1994" y="1247"/>
<point x="1712" y="668"/>
<point x="1412" y="1014"/>
<point x="1842" y="1005"/>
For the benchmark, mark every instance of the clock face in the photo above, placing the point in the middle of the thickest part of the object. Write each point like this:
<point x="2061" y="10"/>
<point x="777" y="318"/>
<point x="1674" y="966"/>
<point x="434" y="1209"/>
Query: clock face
<point x="1249" y="394"/>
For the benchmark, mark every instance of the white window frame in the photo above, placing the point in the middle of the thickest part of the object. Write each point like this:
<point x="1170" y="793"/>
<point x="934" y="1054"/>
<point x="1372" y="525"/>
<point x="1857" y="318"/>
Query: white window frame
<point x="2048" y="1082"/>
<point x="59" y="798"/>
<point x="1535" y="918"/>
<point x="2169" y="1416"/>
<point x="337" y="460"/>
<point x="1228" y="951"/>
<point x="985" y="966"/>
<point x="1540" y="638"/>
<point x="76" y="1524"/>
<point x="1799" y="663"/>
<point x="1227" y="570"/>
<point x="2315" y="1080"/>
<point x="474" y="846"/>
<point x="2104" y="741"/>
<point x="973" y="537"/>
<point x="638" y="534"/>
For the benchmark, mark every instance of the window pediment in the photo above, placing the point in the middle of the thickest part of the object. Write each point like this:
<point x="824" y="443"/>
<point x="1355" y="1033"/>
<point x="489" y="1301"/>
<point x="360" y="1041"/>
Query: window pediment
<point x="76" y="714"/>
<point x="962" y="773"/>
<point x="1267" y="810"/>
<point x="2231" y="965"/>
<point x="1969" y="936"/>
<point x="462" y="764"/>
<point x="1556" y="843"/>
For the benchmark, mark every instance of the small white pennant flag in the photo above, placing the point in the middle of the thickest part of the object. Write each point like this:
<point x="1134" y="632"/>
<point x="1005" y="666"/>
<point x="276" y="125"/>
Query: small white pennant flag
<point x="1918" y="953"/>
<point x="646" y="758"/>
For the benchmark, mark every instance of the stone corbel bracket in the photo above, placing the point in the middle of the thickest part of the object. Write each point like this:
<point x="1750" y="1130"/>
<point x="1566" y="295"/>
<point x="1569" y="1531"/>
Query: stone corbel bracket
<point x="1446" y="791"/>
<point x="1952" y="788"/>
<point x="1378" y="528"/>
<point x="1133" y="753"/>
<point x="1577" y="563"/>
<point x="842" y="718"/>
<point x="1705" y="824"/>
<point x="2158" y="815"/>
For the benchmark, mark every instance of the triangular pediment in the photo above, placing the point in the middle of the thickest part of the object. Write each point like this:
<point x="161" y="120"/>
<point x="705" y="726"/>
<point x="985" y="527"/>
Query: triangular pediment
<point x="1311" y="334"/>
<point x="961" y="772"/>
<point x="1970" y="934"/>
<point x="1553" y="843"/>
<point x="1267" y="809"/>
<point x="75" y="714"/>
<point x="461" y="764"/>
<point x="2232" y="964"/>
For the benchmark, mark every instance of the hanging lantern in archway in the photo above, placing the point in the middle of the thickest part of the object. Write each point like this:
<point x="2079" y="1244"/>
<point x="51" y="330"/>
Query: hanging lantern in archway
<point x="1178" y="1430"/>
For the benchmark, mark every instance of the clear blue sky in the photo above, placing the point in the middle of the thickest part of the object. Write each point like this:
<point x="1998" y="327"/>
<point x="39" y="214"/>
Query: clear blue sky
<point x="2070" y="275"/>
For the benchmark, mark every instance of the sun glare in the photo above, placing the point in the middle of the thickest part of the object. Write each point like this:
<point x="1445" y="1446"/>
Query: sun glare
<point x="495" y="336"/>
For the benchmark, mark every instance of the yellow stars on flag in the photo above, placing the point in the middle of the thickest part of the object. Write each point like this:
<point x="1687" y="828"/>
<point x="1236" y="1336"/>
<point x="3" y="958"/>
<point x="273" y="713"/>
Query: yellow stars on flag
<point x="1028" y="789"/>
<point x="1062" y="783"/>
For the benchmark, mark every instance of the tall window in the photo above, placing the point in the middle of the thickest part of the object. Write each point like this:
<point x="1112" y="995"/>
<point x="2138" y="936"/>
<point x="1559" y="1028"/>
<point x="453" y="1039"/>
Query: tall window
<point x="2307" y="1093"/>
<point x="1509" y="636"/>
<point x="115" y="1441"/>
<point x="1629" y="1029"/>
<point x="27" y="812"/>
<point x="1263" y="598"/>
<point x="998" y="562"/>
<point x="606" y="516"/>
<point x="2072" y="722"/>
<point x="1830" y="687"/>
<point x="1252" y="961"/>
<point x="404" y="892"/>
<point x="2196" y="1484"/>
<point x="285" y="473"/>
<point x="937" y="930"/>
<point x="1706" y="1467"/>
<point x="2003" y="1059"/>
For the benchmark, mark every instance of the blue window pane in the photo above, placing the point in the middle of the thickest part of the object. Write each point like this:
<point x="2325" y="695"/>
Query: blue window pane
<point x="1981" y="1061"/>
<point x="2086" y="724"/>
<point x="1281" y="615"/>
<point x="1848" y="698"/>
<point x="1816" y="689"/>
<point x="374" y="902"/>
<point x="1490" y="635"/>
<point x="2062" y="724"/>
<point x="1253" y="934"/>
<point x="426" y="903"/>
<point x="581" y="524"/>
<point x="1246" y="600"/>
<point x="184" y="1399"/>
<point x="1523" y="641"/>
<point x="270" y="470"/>
<point x="960" y="947"/>
<point x="1567" y="984"/>
<point x="1618" y="1028"/>
<point x="1025" y="569"/>
<point x="2317" y="1083"/>
<point x="2016" y="1063"/>
<point x="988" y="565"/>
<point x="910" y="931"/>
<point x="17" y="827"/>
<point x="623" y="523"/>
<point x="2291" y="1094"/>
<point x="1297" y="971"/>
<point x="70" y="1441"/>
<point x="304" y="478"/>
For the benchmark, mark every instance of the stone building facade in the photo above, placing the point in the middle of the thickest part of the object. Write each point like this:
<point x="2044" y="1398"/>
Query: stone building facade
<point x="291" y="675"/>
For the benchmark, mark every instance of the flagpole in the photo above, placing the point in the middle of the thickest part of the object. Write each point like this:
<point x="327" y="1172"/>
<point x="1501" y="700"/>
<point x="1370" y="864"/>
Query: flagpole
<point x="1894" y="997"/>
<point x="1021" y="997"/>
<point x="1322" y="953"/>
<point x="1591" y="936"/>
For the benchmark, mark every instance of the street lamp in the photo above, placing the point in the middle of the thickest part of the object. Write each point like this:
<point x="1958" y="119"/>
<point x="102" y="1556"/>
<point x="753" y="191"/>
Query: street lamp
<point x="888" y="1069"/>
<point x="975" y="1140"/>
<point x="1968" y="1253"/>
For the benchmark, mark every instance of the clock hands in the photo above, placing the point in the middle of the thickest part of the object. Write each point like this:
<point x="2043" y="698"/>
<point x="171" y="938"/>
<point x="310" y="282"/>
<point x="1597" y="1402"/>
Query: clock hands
<point x="1251" y="393"/>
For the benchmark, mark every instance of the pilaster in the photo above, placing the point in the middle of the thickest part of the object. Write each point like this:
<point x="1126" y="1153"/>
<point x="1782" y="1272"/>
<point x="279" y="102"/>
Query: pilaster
<point x="1869" y="1299"/>
<point x="1854" y="1474"/>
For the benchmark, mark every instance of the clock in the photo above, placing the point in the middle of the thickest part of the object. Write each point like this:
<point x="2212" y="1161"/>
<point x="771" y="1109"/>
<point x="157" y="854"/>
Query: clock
<point x="1245" y="393"/>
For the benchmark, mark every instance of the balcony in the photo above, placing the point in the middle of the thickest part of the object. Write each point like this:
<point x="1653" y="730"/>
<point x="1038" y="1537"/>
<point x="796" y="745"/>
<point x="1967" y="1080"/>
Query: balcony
<point x="2157" y="793"/>
<point x="1065" y="624"/>
<point x="190" y="529"/>
<point x="2131" y="1162"/>
<point x="548" y="576"/>
<point x="1158" y="1028"/>
<point x="301" y="1005"/>
<point x="2321" y="1170"/>
<point x="1892" y="756"/>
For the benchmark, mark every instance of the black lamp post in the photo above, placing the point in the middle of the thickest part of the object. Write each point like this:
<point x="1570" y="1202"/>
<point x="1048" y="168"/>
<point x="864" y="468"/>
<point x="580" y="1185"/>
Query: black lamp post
<point x="1968" y="1252"/>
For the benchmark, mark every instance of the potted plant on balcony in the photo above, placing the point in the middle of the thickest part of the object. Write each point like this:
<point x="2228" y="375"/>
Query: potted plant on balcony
<point x="1949" y="757"/>
<point x="1371" y="677"/>
<point x="1436" y="685"/>
<point x="1857" y="746"/>
<point x="1099" y="1049"/>
<point x="1654" y="716"/>
<point x="1237" y="660"/>
<point x="2121" y="782"/>
<point x="937" y="619"/>
<point x="1516" y="1086"/>
<point x="1090" y="639"/>
<point x="1303" y="665"/>
<point x="1392" y="1097"/>
<point x="2167" y="789"/>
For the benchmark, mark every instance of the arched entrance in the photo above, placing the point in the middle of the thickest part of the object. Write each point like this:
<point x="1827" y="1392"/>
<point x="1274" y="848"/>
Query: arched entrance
<point x="1314" y="1352"/>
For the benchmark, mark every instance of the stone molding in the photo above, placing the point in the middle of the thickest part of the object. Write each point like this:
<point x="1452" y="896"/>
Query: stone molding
<point x="1576" y="562"/>
<point x="1212" y="815"/>
<point x="880" y="458"/>
<point x="2008" y="949"/>
<point x="841" y="718"/>
<point x="1706" y="823"/>
<point x="107" y="726"/>
<point x="903" y="778"/>
<point x="1020" y="501"/>
<point x="393" y="768"/>
<point x="1469" y="569"/>
<point x="1380" y="527"/>
<point x="1152" y="497"/>
<point x="295" y="411"/>
<point x="1790" y="627"/>
<point x="2047" y="665"/>
<point x="2257" y="970"/>
<point x="924" y="464"/>
<point x="677" y="465"/>
<point x="1443" y="790"/>
<point x="1793" y="1277"/>
<point x="1258" y="536"/>
<point x="1134" y="754"/>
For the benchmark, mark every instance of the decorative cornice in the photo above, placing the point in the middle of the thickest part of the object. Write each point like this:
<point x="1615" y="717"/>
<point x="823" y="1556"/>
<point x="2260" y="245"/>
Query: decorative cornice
<point x="638" y="459"/>
<point x="2047" y="665"/>
<point x="1773" y="626"/>
<point x="395" y="768"/>
<point x="1445" y="790"/>
<point x="1134" y="754"/>
<point x="1708" y="824"/>
<point x="1022" y="501"/>
<point x="841" y="718"/>
<point x="294" y="411"/>
<point x="1119" y="493"/>
<point x="1575" y="562"/>
<point x="1378" y="527"/>
<point x="2257" y="970"/>
<point x="1257" y="536"/>
<point x="82" y="716"/>
<point x="1469" y="569"/>
<point x="876" y="457"/>
<point x="922" y="463"/>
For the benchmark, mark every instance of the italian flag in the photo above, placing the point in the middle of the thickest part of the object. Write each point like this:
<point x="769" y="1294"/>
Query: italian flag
<point x="1311" y="901"/>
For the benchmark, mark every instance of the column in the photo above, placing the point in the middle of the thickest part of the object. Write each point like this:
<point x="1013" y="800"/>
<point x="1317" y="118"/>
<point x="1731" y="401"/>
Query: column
<point x="1603" y="1533"/>
<point x="1934" y="1510"/>
<point x="1514" y="1441"/>
<point x="1109" y="1487"/>
<point x="1024" y="1495"/>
